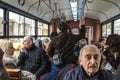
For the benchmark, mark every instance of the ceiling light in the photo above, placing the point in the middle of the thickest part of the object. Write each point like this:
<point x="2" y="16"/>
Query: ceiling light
<point x="73" y="4"/>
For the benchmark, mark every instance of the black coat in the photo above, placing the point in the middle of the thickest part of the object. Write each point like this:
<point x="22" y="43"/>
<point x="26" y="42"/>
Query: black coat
<point x="61" y="40"/>
<point x="117" y="76"/>
<point x="33" y="60"/>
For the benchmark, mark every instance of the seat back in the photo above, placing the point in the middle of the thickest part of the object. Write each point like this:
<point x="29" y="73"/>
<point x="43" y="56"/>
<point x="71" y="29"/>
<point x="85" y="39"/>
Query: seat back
<point x="15" y="74"/>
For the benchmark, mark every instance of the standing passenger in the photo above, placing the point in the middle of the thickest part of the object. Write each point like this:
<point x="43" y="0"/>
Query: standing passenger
<point x="63" y="39"/>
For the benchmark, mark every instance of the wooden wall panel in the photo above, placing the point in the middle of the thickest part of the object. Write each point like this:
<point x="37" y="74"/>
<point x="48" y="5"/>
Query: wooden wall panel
<point x="87" y="22"/>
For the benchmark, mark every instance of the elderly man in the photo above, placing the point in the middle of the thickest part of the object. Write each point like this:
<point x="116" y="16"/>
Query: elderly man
<point x="31" y="58"/>
<point x="89" y="68"/>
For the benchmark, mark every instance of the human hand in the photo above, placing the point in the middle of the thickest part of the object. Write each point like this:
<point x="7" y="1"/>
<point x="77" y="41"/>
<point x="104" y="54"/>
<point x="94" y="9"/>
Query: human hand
<point x="23" y="49"/>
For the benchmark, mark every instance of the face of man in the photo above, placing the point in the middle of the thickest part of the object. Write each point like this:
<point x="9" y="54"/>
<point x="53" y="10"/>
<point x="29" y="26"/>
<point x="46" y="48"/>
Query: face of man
<point x="27" y="42"/>
<point x="90" y="60"/>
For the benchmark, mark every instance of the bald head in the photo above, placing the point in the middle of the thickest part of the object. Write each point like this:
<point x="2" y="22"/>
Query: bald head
<point x="28" y="42"/>
<point x="28" y="37"/>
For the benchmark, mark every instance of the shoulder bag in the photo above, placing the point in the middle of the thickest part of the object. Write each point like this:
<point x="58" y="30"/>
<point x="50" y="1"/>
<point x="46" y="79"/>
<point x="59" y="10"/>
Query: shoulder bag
<point x="57" y="57"/>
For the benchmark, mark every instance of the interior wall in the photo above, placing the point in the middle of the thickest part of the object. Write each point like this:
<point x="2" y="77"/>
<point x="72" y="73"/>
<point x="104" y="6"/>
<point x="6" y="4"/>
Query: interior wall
<point x="96" y="27"/>
<point x="73" y="24"/>
<point x="87" y="22"/>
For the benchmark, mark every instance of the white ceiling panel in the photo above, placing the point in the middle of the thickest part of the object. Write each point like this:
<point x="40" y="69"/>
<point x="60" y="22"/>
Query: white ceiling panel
<point x="98" y="9"/>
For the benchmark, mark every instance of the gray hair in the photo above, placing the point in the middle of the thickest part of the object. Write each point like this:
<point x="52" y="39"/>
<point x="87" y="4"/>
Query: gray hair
<point x="5" y="44"/>
<point x="88" y="46"/>
<point x="29" y="37"/>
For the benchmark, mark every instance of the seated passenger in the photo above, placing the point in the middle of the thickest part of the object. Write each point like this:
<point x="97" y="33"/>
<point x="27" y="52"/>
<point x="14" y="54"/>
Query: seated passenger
<point x="32" y="58"/>
<point x="112" y="52"/>
<point x="45" y="43"/>
<point x="9" y="59"/>
<point x="102" y="42"/>
<point x="38" y="43"/>
<point x="99" y="46"/>
<point x="89" y="68"/>
<point x="3" y="73"/>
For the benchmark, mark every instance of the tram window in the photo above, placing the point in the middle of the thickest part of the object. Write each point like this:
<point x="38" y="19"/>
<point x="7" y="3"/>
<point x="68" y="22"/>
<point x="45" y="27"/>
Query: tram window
<point x="42" y="29"/>
<point x="29" y="26"/>
<point x="106" y="30"/>
<point x="16" y="24"/>
<point x="117" y="26"/>
<point x="1" y="25"/>
<point x="45" y="29"/>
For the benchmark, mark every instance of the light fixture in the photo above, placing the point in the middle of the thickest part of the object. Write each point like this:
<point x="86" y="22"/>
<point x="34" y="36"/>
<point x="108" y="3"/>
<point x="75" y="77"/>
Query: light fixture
<point x="73" y="4"/>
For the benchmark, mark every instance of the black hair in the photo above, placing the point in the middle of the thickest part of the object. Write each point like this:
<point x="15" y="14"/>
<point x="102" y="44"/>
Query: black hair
<point x="30" y="37"/>
<point x="86" y="39"/>
<point x="63" y="27"/>
<point x="53" y="34"/>
<point x="113" y="40"/>
<point x="101" y="39"/>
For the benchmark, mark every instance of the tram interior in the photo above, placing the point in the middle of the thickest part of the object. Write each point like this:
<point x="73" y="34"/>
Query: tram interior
<point x="75" y="12"/>
<point x="33" y="17"/>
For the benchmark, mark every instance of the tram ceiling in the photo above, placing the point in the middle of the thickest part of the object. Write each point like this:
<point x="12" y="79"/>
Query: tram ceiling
<point x="49" y="9"/>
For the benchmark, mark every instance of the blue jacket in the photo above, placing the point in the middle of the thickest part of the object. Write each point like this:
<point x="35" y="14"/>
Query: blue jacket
<point x="79" y="74"/>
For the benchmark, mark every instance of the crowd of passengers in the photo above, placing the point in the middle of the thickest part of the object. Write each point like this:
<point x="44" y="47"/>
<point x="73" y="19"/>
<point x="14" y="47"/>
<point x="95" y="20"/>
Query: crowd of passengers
<point x="81" y="60"/>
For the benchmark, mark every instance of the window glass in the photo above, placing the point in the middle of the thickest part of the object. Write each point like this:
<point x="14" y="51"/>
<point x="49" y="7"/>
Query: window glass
<point x="16" y="24"/>
<point x="45" y="29"/>
<point x="117" y="26"/>
<point x="106" y="30"/>
<point x="1" y="25"/>
<point x="29" y="26"/>
<point x="39" y="28"/>
<point x="42" y="29"/>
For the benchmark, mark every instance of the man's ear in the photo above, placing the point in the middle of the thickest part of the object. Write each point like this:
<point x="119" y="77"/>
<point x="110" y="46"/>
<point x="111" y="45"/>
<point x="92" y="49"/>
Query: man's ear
<point x="31" y="42"/>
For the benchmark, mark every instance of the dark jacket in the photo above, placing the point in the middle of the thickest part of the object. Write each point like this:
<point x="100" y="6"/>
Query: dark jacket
<point x="33" y="60"/>
<point x="79" y="74"/>
<point x="60" y="41"/>
<point x="110" y="58"/>
<point x="117" y="76"/>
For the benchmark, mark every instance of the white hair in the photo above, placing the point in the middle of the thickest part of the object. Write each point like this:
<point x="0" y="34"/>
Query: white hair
<point x="88" y="46"/>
